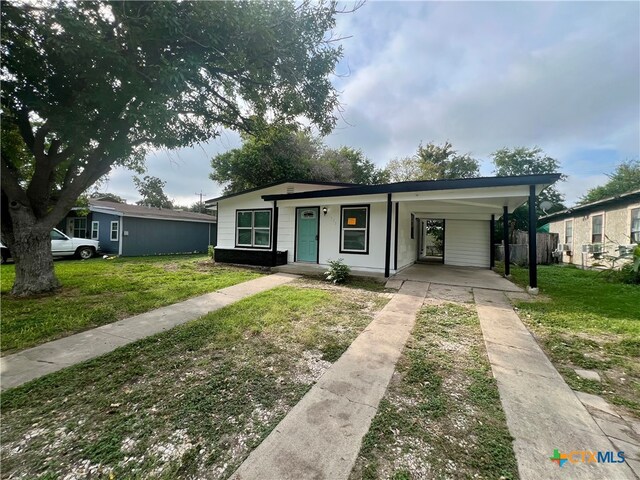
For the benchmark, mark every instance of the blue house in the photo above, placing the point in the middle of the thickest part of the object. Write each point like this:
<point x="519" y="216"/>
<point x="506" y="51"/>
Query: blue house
<point x="135" y="230"/>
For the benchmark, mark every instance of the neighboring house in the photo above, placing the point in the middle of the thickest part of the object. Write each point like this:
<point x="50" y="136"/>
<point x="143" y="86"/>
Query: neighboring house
<point x="375" y="229"/>
<point x="134" y="230"/>
<point x="592" y="234"/>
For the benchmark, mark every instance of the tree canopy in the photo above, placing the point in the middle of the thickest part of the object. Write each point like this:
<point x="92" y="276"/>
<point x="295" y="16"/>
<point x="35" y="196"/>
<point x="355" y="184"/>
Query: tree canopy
<point x="283" y="152"/>
<point x="89" y="85"/>
<point x="625" y="178"/>
<point x="433" y="162"/>
<point x="151" y="189"/>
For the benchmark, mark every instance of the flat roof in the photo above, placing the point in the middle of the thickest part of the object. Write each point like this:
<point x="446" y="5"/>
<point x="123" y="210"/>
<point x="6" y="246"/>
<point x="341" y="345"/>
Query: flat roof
<point x="622" y="199"/>
<point x="423" y="185"/>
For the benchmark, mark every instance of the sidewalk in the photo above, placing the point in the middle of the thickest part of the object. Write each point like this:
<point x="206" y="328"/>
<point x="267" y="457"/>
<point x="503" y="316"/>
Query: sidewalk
<point x="321" y="436"/>
<point x="543" y="413"/>
<point x="50" y="357"/>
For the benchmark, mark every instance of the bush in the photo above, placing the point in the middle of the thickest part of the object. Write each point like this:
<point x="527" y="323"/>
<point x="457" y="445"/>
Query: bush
<point x="211" y="252"/>
<point x="338" y="271"/>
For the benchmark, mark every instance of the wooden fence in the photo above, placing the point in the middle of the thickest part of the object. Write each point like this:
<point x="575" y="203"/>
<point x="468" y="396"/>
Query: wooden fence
<point x="546" y="244"/>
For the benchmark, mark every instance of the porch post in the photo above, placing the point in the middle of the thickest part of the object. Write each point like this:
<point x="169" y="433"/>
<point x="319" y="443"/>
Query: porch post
<point x="507" y="252"/>
<point x="533" y="260"/>
<point x="492" y="241"/>
<point x="387" y="252"/>
<point x="395" y="237"/>
<point x="274" y="235"/>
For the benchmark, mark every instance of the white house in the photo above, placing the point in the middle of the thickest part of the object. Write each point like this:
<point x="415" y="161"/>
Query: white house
<point x="375" y="229"/>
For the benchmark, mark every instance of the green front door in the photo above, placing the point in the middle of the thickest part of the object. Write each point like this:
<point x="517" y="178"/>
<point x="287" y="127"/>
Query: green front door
<point x="307" y="234"/>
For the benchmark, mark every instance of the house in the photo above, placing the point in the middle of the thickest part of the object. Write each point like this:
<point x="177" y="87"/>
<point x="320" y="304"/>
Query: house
<point x="134" y="230"/>
<point x="375" y="229"/>
<point x="595" y="233"/>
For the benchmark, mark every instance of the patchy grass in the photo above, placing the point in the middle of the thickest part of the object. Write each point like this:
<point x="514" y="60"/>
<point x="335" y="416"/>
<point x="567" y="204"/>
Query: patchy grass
<point x="188" y="403"/>
<point x="590" y="323"/>
<point x="97" y="291"/>
<point x="441" y="416"/>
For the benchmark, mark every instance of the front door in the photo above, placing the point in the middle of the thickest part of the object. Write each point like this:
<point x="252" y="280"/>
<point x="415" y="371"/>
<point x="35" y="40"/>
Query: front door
<point x="307" y="234"/>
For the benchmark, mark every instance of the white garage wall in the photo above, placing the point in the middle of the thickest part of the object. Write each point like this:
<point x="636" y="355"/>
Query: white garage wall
<point x="466" y="243"/>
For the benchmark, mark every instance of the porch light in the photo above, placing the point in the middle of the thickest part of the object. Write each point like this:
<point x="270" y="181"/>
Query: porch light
<point x="324" y="210"/>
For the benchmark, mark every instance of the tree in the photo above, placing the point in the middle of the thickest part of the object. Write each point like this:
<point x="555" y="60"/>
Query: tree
<point x="528" y="161"/>
<point x="90" y="85"/>
<point x="433" y="162"/>
<point x="278" y="153"/>
<point x="625" y="178"/>
<point x="107" y="197"/>
<point x="152" y="191"/>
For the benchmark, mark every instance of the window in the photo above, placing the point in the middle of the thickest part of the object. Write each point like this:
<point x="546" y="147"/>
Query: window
<point x="568" y="232"/>
<point x="55" y="235"/>
<point x="635" y="225"/>
<point x="596" y="229"/>
<point x="80" y="227"/>
<point x="253" y="228"/>
<point x="95" y="230"/>
<point x="355" y="230"/>
<point x="114" y="231"/>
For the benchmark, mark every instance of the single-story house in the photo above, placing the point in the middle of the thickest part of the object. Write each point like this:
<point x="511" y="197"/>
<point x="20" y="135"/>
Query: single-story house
<point x="375" y="229"/>
<point x="593" y="233"/>
<point x="135" y="230"/>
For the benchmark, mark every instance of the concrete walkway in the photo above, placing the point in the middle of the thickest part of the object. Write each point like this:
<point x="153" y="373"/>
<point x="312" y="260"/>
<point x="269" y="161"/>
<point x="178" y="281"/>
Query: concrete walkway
<point x="50" y="357"/>
<point x="321" y="436"/>
<point x="543" y="413"/>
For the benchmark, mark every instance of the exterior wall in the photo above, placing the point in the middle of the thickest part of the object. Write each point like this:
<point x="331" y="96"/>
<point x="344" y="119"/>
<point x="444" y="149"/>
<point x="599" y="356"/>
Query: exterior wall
<point x="407" y="247"/>
<point x="467" y="243"/>
<point x="616" y="231"/>
<point x="144" y="236"/>
<point x="104" y="231"/>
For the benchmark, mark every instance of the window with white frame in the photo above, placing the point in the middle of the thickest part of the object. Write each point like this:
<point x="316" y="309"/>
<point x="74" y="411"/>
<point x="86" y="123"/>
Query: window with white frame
<point x="95" y="230"/>
<point x="596" y="229"/>
<point x="253" y="228"/>
<point x="115" y="231"/>
<point x="355" y="229"/>
<point x="79" y="227"/>
<point x="635" y="225"/>
<point x="568" y="232"/>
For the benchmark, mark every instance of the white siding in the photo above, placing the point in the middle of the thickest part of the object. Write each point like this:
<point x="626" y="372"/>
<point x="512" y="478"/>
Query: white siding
<point x="466" y="243"/>
<point x="407" y="247"/>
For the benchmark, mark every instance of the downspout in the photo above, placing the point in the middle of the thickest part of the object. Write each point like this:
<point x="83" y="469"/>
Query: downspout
<point x="387" y="252"/>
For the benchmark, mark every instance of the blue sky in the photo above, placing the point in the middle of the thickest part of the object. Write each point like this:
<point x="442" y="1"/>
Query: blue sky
<point x="564" y="76"/>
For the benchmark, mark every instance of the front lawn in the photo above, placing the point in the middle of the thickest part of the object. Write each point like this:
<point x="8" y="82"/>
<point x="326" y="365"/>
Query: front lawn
<point x="95" y="292"/>
<point x="588" y="322"/>
<point x="441" y="416"/>
<point x="188" y="403"/>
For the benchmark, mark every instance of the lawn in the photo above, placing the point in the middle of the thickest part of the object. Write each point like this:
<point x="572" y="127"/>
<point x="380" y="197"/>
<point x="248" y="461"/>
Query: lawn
<point x="95" y="292"/>
<point x="441" y="416"/>
<point x="588" y="322"/>
<point x="188" y="403"/>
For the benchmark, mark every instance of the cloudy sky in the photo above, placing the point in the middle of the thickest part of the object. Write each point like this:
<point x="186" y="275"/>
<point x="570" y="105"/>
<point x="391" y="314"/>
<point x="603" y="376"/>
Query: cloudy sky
<point x="564" y="76"/>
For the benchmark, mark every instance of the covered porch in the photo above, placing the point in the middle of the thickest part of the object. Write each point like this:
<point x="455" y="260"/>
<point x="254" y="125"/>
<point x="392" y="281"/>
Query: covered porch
<point x="470" y="277"/>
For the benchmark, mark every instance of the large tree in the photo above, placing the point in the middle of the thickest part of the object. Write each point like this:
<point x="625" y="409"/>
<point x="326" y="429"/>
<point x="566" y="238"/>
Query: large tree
<point x="279" y="152"/>
<point x="529" y="161"/>
<point x="151" y="189"/>
<point x="434" y="162"/>
<point x="90" y="85"/>
<point x="625" y="178"/>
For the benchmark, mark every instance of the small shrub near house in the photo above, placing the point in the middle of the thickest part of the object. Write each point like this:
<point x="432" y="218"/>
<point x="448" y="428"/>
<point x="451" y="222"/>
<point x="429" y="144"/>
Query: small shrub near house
<point x="338" y="271"/>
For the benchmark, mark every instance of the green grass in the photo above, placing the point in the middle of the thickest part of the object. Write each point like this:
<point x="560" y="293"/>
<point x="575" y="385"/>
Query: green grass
<point x="441" y="416"/>
<point x="588" y="322"/>
<point x="190" y="402"/>
<point x="95" y="292"/>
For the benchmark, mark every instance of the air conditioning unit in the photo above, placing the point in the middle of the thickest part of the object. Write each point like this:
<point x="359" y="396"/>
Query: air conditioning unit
<point x="592" y="248"/>
<point x="564" y="247"/>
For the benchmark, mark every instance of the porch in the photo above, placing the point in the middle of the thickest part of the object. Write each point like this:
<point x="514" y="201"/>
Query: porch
<point x="472" y="277"/>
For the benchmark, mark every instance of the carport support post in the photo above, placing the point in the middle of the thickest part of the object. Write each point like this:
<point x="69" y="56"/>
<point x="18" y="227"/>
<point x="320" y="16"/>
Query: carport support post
<point x="274" y="236"/>
<point x="492" y="241"/>
<point x="507" y="252"/>
<point x="387" y="251"/>
<point x="533" y="260"/>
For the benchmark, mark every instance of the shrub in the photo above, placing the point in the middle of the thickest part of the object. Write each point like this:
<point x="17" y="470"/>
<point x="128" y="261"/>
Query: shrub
<point x="211" y="252"/>
<point x="338" y="271"/>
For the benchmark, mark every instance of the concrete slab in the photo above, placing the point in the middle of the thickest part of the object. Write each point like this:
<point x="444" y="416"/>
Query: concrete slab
<point x="321" y="436"/>
<point x="457" y="276"/>
<point x="596" y="402"/>
<point x="620" y="432"/>
<point x="394" y="283"/>
<point x="543" y="413"/>
<point x="631" y="450"/>
<point x="35" y="362"/>
<point x="450" y="293"/>
<point x="587" y="374"/>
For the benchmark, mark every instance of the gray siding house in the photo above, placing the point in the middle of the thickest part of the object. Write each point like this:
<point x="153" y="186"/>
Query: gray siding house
<point x="135" y="230"/>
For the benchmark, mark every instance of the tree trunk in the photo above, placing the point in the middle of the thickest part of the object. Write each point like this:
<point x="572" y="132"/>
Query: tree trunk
<point x="30" y="246"/>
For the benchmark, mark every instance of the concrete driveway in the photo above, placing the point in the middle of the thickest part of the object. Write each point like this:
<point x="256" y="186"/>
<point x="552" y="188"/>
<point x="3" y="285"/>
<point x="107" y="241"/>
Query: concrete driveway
<point x="457" y="276"/>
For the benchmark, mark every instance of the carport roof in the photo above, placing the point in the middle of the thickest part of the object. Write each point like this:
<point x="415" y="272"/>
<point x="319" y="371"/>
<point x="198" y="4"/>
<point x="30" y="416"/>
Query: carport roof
<point x="424" y="185"/>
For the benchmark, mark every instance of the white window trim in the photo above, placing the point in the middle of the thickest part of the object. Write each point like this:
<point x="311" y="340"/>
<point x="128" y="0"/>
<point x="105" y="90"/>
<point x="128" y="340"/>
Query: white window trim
<point x="631" y="209"/>
<point x="116" y="231"/>
<point x="573" y="225"/>
<point x="253" y="229"/>
<point x="604" y="220"/>
<point x="96" y="224"/>
<point x="364" y="229"/>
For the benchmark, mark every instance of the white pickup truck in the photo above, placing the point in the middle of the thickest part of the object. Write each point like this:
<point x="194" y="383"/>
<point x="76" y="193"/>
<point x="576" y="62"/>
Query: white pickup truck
<point x="64" y="246"/>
